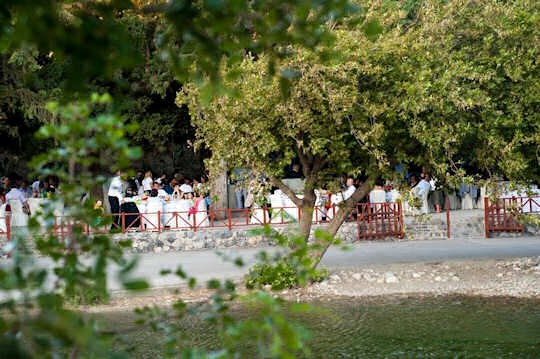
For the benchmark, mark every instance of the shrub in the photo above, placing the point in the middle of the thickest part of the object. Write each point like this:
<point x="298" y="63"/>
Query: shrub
<point x="280" y="275"/>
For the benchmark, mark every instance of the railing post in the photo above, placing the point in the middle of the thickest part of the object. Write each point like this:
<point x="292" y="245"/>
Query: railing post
<point x="447" y="217"/>
<point x="486" y="216"/>
<point x="195" y="221"/>
<point x="159" y="221"/>
<point x="229" y="212"/>
<point x="400" y="209"/>
<point x="299" y="213"/>
<point x="123" y="222"/>
<point x="264" y="215"/>
<point x="8" y="232"/>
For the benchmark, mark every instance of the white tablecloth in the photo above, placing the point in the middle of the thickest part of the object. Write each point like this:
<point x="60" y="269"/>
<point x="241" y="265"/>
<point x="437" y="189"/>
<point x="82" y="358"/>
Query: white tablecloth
<point x="176" y="213"/>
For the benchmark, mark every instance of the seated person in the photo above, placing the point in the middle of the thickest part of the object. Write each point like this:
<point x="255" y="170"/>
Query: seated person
<point x="377" y="194"/>
<point x="186" y="187"/>
<point x="177" y="193"/>
<point x="294" y="172"/>
<point x="130" y="209"/>
<point x="161" y="193"/>
<point x="169" y="187"/>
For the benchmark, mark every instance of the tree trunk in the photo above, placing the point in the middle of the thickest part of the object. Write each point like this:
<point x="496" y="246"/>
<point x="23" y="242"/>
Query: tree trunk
<point x="219" y="194"/>
<point x="340" y="217"/>
<point x="306" y="214"/>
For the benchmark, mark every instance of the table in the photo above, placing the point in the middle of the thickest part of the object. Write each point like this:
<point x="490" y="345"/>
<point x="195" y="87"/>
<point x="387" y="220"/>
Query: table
<point x="176" y="213"/>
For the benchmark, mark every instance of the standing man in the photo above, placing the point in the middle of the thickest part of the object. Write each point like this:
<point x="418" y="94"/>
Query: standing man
<point x="116" y="197"/>
<point x="423" y="191"/>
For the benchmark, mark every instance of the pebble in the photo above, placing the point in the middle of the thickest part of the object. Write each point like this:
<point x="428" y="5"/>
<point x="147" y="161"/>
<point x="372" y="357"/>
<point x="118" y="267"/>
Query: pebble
<point x="390" y="277"/>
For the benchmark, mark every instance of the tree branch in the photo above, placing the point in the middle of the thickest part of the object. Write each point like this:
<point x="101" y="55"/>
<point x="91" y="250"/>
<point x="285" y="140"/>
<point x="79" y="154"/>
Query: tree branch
<point x="289" y="192"/>
<point x="342" y="215"/>
<point x="304" y="160"/>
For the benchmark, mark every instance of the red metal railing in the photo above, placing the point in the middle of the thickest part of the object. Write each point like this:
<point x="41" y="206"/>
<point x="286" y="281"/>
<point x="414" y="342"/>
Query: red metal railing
<point x="379" y="220"/>
<point x="502" y="214"/>
<point x="374" y="220"/>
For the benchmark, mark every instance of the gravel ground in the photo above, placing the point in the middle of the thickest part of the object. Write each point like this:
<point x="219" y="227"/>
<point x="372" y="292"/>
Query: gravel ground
<point x="519" y="277"/>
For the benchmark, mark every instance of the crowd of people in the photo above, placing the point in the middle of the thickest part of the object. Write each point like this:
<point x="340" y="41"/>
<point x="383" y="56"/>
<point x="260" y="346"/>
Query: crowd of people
<point x="152" y="189"/>
<point x="14" y="187"/>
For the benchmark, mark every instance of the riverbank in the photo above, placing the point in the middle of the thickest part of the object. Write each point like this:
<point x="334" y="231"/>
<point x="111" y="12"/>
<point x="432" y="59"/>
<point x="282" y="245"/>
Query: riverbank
<point x="516" y="277"/>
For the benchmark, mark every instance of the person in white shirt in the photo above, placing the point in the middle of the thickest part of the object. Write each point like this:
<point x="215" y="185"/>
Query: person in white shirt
<point x="423" y="190"/>
<point x="35" y="186"/>
<point x="350" y="189"/>
<point x="147" y="182"/>
<point x="116" y="197"/>
<point x="26" y="190"/>
<point x="424" y="186"/>
<point x="15" y="194"/>
<point x="186" y="187"/>
<point x="377" y="194"/>
<point x="161" y="193"/>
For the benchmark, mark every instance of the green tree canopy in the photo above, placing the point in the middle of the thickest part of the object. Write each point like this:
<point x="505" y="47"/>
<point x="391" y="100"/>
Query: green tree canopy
<point x="438" y="92"/>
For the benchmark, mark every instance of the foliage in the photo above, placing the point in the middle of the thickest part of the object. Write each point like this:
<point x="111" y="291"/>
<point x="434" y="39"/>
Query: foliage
<point x="456" y="91"/>
<point x="40" y="320"/>
<point x="36" y="321"/>
<point x="289" y="270"/>
<point x="279" y="275"/>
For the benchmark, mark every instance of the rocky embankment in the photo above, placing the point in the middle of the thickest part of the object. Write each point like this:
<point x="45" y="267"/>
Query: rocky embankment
<point x="519" y="277"/>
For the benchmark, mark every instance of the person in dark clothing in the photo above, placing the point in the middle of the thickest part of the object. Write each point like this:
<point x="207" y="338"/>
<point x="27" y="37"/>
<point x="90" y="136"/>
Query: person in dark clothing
<point x="295" y="172"/>
<point x="167" y="186"/>
<point x="131" y="211"/>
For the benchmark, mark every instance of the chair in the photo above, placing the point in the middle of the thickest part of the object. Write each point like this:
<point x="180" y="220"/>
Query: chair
<point x="377" y="196"/>
<point x="257" y="215"/>
<point x="3" y="223"/>
<point x="35" y="205"/>
<point x="201" y="214"/>
<point x="18" y="217"/>
<point x="132" y="220"/>
<point x="153" y="206"/>
<point x="290" y="209"/>
<point x="276" y="203"/>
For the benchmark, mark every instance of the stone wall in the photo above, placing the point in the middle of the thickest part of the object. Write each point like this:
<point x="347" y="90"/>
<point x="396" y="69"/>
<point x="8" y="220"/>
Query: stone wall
<point x="463" y="224"/>
<point x="212" y="238"/>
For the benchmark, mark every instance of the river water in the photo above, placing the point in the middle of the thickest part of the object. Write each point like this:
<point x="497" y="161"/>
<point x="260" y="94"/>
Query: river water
<point x="399" y="327"/>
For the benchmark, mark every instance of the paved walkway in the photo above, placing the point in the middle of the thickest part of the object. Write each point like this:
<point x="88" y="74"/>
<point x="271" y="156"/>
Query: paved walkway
<point x="205" y="265"/>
